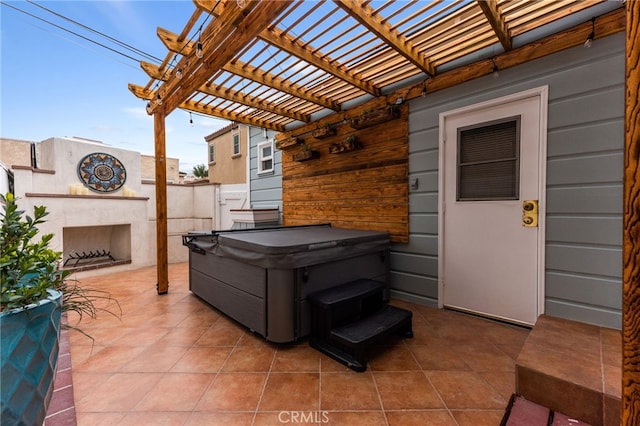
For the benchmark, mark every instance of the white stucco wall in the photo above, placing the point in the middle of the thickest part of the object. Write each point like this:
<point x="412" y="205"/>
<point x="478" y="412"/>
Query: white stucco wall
<point x="190" y="208"/>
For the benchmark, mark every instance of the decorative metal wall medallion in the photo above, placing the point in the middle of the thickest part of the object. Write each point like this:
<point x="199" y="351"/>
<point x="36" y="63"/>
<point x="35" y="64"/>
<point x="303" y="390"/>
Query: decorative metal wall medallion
<point x="102" y="172"/>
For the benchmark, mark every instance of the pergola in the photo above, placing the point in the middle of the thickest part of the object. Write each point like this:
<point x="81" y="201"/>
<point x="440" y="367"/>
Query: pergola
<point x="296" y="66"/>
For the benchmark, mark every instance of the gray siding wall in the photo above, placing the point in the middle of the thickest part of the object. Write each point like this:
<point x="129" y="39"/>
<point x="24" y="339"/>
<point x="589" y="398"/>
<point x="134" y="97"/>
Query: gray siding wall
<point x="584" y="180"/>
<point x="266" y="189"/>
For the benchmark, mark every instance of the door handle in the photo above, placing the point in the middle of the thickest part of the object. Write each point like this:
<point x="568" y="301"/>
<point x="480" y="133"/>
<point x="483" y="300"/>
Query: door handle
<point x="530" y="213"/>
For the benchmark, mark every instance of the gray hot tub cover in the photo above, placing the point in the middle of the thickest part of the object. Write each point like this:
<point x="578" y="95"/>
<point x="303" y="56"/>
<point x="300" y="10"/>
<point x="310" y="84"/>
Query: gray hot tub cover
<point x="288" y="247"/>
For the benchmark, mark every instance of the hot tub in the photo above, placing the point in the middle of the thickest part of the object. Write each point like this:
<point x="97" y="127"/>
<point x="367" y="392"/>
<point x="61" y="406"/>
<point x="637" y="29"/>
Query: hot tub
<point x="261" y="278"/>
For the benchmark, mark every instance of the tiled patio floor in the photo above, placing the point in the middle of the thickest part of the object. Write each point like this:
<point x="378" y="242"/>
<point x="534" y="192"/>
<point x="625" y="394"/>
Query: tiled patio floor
<point x="174" y="360"/>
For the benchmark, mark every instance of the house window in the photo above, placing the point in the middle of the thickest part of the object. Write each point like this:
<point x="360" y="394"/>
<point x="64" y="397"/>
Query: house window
<point x="236" y="144"/>
<point x="265" y="157"/>
<point x="488" y="161"/>
<point x="212" y="153"/>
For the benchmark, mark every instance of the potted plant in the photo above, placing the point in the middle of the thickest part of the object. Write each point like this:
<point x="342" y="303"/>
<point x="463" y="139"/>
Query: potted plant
<point x="349" y="144"/>
<point x="34" y="294"/>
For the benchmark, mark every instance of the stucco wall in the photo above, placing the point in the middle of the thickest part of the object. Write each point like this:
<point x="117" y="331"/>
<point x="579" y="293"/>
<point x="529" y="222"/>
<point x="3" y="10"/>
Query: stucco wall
<point x="190" y="207"/>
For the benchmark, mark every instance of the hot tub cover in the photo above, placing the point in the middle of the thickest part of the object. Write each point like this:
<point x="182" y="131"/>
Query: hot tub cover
<point x="288" y="247"/>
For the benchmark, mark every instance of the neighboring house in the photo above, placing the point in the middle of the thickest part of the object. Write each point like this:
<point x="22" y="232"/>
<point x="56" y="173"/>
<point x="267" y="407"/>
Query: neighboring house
<point x="227" y="154"/>
<point x="148" y="168"/>
<point x="571" y="162"/>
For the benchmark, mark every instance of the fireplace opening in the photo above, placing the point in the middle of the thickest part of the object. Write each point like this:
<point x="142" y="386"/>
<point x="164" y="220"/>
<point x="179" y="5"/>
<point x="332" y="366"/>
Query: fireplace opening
<point x="93" y="247"/>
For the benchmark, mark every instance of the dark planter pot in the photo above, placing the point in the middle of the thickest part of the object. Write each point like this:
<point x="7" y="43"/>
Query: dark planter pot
<point x="30" y="339"/>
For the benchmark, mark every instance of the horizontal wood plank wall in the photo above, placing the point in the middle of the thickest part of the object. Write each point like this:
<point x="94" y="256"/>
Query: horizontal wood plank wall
<point x="361" y="189"/>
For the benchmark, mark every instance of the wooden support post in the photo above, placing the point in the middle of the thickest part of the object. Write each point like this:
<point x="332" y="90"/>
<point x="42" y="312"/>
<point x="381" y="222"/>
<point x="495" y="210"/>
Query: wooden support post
<point x="161" y="202"/>
<point x="631" y="224"/>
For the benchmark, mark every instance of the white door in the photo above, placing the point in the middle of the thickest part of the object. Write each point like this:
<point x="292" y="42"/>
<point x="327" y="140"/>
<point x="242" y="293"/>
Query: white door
<point x="492" y="160"/>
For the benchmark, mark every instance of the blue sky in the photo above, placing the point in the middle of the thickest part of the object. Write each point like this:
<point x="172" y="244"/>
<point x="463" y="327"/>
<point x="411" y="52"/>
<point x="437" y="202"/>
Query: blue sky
<point x="53" y="83"/>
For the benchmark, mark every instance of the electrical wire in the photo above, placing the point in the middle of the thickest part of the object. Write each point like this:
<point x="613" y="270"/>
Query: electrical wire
<point x="104" y="46"/>
<point x="115" y="40"/>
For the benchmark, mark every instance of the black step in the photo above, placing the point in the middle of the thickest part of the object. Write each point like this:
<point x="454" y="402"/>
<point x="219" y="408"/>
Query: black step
<point x="345" y="292"/>
<point x="386" y="321"/>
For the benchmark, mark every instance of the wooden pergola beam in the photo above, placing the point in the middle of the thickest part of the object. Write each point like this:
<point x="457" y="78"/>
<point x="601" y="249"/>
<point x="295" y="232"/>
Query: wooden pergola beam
<point x="230" y="95"/>
<point x="605" y="25"/>
<point x="147" y="94"/>
<point x="252" y="73"/>
<point x="232" y="116"/>
<point x="220" y="41"/>
<point x="288" y="44"/>
<point x="631" y="223"/>
<point x="249" y="72"/>
<point x="493" y="15"/>
<point x="365" y="15"/>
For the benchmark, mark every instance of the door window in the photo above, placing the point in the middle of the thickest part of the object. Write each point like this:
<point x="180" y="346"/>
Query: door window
<point x="488" y="161"/>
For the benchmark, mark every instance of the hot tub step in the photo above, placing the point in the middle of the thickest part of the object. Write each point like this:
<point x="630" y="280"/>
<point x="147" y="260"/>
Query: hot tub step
<point x="368" y="330"/>
<point x="355" y="290"/>
<point x="348" y="319"/>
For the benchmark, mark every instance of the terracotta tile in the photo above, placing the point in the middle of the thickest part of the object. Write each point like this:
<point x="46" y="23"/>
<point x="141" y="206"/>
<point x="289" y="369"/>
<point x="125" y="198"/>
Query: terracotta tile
<point x="559" y="395"/>
<point x="141" y="337"/>
<point x="220" y="336"/>
<point x="249" y="359"/>
<point x="613" y="380"/>
<point x="352" y="418"/>
<point x="215" y="418"/>
<point x="328" y="364"/>
<point x="612" y="411"/>
<point x="176" y="392"/>
<point x="157" y="418"/>
<point x="233" y="392"/>
<point x="296" y="358"/>
<point x="420" y="418"/>
<point x="348" y="391"/>
<point x="109" y="359"/>
<point x="485" y="357"/>
<point x="478" y="418"/>
<point x="84" y="383"/>
<point x="503" y="382"/>
<point x="465" y="390"/>
<point x="392" y="358"/>
<point x="122" y="391"/>
<point x="504" y="334"/>
<point x="251" y="339"/>
<point x="406" y="391"/>
<point x="99" y="419"/>
<point x="512" y="351"/>
<point x="291" y="391"/>
<point x="182" y="336"/>
<point x="203" y="318"/>
<point x="202" y="360"/>
<point x="440" y="357"/>
<point x="155" y="358"/>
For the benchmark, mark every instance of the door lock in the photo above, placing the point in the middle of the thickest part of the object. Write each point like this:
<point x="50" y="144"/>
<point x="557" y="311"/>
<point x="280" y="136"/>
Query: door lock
<point x="530" y="213"/>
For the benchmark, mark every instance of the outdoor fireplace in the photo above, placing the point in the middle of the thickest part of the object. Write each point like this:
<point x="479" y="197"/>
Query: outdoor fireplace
<point x="92" y="247"/>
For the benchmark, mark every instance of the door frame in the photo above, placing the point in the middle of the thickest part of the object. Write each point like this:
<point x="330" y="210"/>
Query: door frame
<point x="543" y="93"/>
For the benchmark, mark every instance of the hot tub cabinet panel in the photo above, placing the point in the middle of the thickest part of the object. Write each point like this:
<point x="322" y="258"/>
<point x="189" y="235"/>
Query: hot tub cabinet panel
<point x="261" y="278"/>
